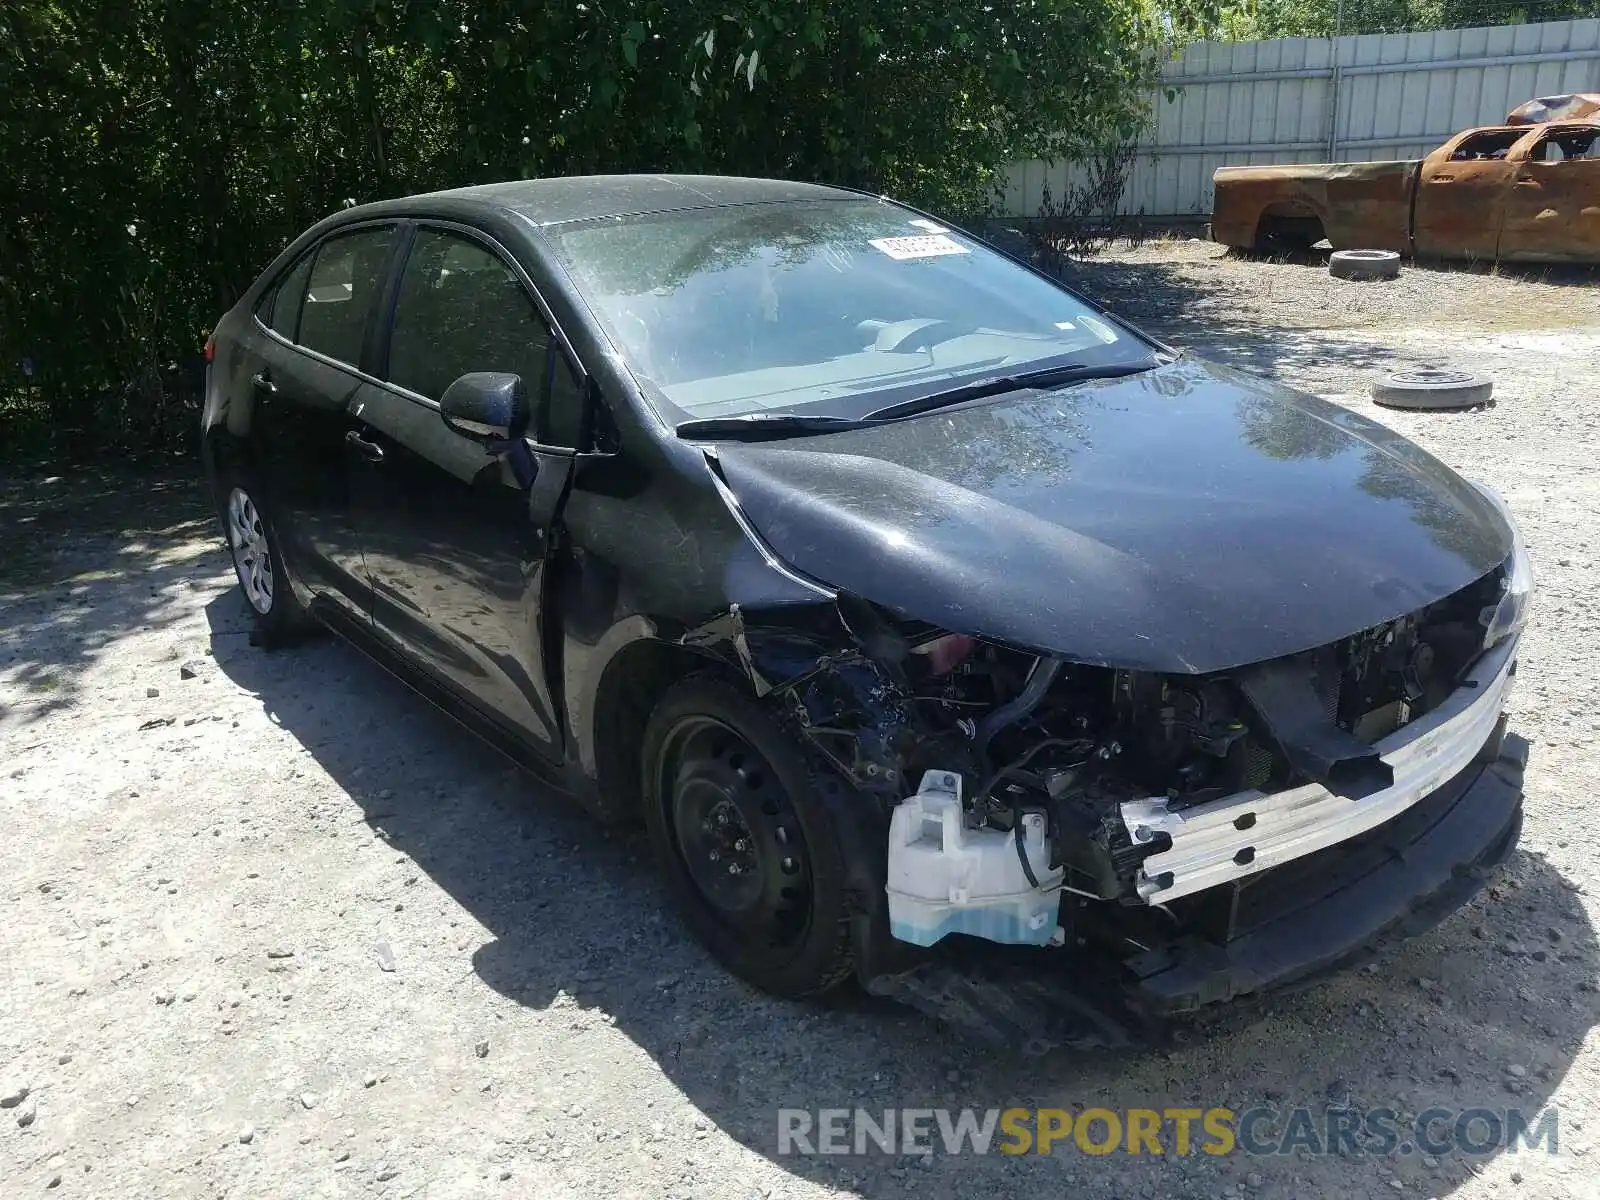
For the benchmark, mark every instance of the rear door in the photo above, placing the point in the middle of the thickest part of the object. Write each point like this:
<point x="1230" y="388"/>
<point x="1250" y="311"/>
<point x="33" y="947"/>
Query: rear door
<point x="315" y="331"/>
<point x="1553" y="214"/>
<point x="1461" y="195"/>
<point x="456" y="544"/>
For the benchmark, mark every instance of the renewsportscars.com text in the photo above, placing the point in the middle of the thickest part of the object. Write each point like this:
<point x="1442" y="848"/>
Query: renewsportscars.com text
<point x="1258" y="1131"/>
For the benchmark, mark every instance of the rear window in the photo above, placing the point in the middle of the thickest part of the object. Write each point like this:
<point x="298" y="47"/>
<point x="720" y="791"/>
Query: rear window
<point x="341" y="293"/>
<point x="282" y="312"/>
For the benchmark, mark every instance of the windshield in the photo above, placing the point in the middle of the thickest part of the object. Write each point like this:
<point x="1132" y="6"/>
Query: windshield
<point x="819" y="307"/>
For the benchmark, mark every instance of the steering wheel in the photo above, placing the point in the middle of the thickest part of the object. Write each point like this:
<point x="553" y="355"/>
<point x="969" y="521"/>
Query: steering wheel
<point x="917" y="334"/>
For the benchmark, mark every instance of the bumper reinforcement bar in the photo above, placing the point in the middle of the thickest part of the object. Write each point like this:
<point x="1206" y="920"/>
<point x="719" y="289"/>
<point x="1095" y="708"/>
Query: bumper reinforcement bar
<point x="1240" y="835"/>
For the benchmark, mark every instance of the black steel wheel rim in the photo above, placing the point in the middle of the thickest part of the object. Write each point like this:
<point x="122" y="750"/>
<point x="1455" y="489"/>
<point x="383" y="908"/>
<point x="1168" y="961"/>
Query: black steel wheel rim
<point x="736" y="833"/>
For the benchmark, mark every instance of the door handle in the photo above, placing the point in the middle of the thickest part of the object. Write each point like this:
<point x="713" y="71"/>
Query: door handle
<point x="1440" y="178"/>
<point x="1527" y="181"/>
<point x="370" y="451"/>
<point x="264" y="384"/>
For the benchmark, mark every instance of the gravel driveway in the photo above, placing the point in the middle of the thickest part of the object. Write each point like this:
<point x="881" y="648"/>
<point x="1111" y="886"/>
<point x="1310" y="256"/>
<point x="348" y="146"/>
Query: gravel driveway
<point x="271" y="927"/>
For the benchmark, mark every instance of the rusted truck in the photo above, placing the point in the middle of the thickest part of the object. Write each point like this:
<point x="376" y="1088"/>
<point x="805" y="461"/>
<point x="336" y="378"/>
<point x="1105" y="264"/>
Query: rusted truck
<point x="1525" y="191"/>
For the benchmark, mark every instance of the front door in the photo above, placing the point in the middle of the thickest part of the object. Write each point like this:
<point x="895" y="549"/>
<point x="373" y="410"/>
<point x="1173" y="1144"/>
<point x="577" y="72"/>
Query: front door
<point x="304" y="385"/>
<point x="1553" y="214"/>
<point x="1461" y="195"/>
<point x="455" y="542"/>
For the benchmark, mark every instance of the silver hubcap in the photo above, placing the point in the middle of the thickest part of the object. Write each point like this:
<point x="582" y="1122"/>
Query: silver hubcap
<point x="251" y="558"/>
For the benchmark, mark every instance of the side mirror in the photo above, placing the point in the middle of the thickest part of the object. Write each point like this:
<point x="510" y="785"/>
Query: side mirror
<point x="486" y="406"/>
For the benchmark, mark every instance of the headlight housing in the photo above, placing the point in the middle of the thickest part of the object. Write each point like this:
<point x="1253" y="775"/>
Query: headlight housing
<point x="1507" y="615"/>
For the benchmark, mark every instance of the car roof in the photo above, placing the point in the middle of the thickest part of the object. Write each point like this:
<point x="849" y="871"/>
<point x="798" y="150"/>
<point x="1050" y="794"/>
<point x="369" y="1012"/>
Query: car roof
<point x="1565" y="127"/>
<point x="1538" y="127"/>
<point x="586" y="197"/>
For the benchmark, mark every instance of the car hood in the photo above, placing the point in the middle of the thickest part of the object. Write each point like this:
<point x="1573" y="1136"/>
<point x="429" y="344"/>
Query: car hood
<point x="1189" y="519"/>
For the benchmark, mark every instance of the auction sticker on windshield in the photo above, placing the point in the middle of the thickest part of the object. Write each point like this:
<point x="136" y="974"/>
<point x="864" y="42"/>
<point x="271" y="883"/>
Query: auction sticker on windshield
<point x="921" y="246"/>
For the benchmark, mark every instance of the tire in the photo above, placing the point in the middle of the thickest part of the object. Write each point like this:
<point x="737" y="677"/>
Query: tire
<point x="1435" y="388"/>
<point x="1364" y="264"/>
<point x="724" y="784"/>
<point x="258" y="561"/>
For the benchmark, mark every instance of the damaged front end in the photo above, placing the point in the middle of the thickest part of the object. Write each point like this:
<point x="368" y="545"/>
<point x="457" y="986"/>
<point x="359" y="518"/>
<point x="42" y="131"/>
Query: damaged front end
<point x="1199" y="836"/>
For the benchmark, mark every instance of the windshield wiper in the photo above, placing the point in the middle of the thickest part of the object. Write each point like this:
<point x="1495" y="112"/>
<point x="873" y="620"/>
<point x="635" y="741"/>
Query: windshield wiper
<point x="1000" y="384"/>
<point x="757" y="425"/>
<point x="752" y="426"/>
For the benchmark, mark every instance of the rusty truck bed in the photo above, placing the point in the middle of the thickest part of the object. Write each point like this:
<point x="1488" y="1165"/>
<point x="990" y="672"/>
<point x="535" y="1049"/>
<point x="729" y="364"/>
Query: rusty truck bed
<point x="1351" y="204"/>
<point x="1518" y="192"/>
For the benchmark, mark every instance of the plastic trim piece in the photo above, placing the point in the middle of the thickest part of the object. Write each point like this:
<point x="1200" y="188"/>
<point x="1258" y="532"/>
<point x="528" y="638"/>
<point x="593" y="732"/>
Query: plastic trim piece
<point x="1239" y="835"/>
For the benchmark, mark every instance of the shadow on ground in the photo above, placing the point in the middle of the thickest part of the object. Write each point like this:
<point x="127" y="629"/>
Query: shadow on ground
<point x="1173" y="302"/>
<point x="576" y="910"/>
<point x="1223" y="308"/>
<point x="86" y="557"/>
<point x="49" y="522"/>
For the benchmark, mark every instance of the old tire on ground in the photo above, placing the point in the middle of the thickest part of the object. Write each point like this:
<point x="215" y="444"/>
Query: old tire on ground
<point x="1432" y="388"/>
<point x="739" y="817"/>
<point x="1364" y="264"/>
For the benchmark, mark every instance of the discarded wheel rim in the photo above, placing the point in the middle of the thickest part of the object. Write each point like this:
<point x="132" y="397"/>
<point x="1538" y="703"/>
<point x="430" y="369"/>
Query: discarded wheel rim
<point x="1432" y="387"/>
<point x="1364" y="264"/>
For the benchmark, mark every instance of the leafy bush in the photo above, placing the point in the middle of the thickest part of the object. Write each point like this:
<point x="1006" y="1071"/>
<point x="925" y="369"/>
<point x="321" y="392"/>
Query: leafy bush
<point x="159" y="152"/>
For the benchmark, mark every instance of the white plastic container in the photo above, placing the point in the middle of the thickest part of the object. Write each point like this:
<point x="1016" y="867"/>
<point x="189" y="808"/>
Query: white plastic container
<point x="945" y="878"/>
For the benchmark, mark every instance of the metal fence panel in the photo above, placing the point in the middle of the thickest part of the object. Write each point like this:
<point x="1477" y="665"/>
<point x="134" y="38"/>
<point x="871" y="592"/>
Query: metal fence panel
<point x="1351" y="99"/>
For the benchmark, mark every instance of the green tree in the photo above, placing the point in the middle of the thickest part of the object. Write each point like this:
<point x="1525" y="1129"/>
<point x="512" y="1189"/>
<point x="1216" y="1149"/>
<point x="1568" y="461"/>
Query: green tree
<point x="1253" y="20"/>
<point x="159" y="152"/>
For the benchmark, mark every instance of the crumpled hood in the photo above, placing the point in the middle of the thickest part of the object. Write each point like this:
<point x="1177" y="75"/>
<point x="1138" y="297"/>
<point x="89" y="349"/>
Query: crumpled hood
<point x="1189" y="519"/>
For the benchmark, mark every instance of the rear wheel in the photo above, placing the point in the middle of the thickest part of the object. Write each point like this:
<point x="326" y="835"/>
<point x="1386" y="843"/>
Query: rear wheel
<point x="737" y="815"/>
<point x="257" y="561"/>
<point x="1288" y="233"/>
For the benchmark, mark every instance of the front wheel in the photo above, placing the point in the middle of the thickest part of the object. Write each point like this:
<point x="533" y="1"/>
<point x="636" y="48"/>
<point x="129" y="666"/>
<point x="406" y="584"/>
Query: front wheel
<point x="738" y="817"/>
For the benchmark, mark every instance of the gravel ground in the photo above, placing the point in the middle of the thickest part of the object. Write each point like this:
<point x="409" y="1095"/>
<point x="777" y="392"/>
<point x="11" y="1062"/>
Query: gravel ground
<point x="272" y="927"/>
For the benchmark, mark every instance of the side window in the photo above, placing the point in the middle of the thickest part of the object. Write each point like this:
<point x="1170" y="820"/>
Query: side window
<point x="562" y="421"/>
<point x="283" y="312"/>
<point x="1490" y="144"/>
<point x="345" y="279"/>
<point x="461" y="309"/>
<point x="1569" y="144"/>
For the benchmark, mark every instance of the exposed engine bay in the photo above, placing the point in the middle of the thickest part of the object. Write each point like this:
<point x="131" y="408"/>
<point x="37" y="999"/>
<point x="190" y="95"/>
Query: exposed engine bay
<point x="1095" y="766"/>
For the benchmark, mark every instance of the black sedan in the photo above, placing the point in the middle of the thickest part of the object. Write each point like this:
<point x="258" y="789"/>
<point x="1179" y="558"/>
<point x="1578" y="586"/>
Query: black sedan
<point x="916" y="604"/>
